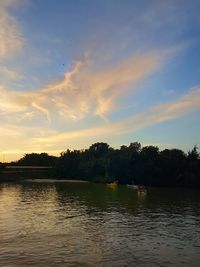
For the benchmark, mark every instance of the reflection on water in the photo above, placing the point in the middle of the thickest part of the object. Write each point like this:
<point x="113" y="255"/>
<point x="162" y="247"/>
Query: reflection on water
<point x="94" y="225"/>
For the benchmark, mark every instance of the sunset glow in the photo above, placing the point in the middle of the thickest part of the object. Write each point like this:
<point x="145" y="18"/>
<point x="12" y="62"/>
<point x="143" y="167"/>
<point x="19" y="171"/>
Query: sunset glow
<point x="77" y="72"/>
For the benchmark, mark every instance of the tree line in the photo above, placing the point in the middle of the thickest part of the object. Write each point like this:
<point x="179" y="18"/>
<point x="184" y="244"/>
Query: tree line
<point x="132" y="164"/>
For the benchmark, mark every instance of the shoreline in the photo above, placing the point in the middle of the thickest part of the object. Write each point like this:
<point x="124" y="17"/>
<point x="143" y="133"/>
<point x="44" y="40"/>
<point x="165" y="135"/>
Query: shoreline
<point x="54" y="181"/>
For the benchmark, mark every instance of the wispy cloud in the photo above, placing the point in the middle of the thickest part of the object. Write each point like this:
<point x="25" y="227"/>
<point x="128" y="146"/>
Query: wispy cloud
<point x="18" y="137"/>
<point x="164" y="112"/>
<point x="10" y="34"/>
<point x="83" y="91"/>
<point x="7" y="74"/>
<point x="155" y="115"/>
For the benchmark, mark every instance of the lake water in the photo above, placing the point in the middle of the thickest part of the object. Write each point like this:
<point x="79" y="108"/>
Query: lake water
<point x="78" y="224"/>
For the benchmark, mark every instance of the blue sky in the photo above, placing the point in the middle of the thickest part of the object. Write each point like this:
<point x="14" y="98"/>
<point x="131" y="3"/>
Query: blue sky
<point x="76" y="72"/>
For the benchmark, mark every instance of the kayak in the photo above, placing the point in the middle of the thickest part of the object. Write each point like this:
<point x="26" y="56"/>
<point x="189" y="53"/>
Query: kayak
<point x="132" y="186"/>
<point x="113" y="184"/>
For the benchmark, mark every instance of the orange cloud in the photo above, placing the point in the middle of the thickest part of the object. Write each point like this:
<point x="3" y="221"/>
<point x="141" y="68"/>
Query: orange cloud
<point x="10" y="34"/>
<point x="155" y="115"/>
<point x="39" y="139"/>
<point x="83" y="91"/>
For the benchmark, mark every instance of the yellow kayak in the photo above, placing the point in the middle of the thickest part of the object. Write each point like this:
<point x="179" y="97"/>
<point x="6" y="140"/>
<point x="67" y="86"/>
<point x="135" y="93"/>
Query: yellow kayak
<point x="113" y="184"/>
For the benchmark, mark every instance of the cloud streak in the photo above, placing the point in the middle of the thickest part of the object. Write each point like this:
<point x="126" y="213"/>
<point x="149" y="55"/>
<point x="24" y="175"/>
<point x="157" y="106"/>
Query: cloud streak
<point x="7" y="74"/>
<point x="11" y="37"/>
<point x="83" y="91"/>
<point x="165" y="112"/>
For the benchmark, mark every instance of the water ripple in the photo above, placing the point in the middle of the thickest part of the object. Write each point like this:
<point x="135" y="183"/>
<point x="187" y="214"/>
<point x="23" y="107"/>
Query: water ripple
<point x="88" y="225"/>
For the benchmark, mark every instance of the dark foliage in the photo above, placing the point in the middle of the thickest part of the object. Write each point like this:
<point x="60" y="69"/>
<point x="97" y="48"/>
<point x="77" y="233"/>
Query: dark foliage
<point x="129" y="164"/>
<point x="35" y="159"/>
<point x="132" y="164"/>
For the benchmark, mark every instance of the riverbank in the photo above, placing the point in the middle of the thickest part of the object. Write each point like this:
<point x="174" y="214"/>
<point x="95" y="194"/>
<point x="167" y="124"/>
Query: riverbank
<point x="54" y="181"/>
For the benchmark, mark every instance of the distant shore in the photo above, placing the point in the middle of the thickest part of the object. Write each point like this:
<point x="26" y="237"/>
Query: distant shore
<point x="54" y="181"/>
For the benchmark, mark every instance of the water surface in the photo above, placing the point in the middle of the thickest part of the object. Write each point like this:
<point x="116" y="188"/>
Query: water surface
<point x="78" y="224"/>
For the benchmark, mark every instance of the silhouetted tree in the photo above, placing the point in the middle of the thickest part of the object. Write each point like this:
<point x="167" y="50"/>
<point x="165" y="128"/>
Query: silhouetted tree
<point x="129" y="164"/>
<point x="35" y="159"/>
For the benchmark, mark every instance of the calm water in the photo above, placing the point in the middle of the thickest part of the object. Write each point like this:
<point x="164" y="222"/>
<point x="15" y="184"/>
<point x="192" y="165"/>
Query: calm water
<point x="93" y="225"/>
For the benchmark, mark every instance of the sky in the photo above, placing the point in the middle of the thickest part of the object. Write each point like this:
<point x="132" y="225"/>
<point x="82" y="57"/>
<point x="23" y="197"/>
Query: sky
<point x="73" y="73"/>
